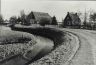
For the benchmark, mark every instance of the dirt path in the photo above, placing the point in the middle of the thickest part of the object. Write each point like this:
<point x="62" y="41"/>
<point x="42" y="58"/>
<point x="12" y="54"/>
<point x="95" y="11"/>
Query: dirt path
<point x="87" y="51"/>
<point x="92" y="36"/>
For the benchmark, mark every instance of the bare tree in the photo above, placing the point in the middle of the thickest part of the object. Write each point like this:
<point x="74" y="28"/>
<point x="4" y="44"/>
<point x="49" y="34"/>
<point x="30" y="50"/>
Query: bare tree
<point x="93" y="17"/>
<point x="23" y="17"/>
<point x="1" y="19"/>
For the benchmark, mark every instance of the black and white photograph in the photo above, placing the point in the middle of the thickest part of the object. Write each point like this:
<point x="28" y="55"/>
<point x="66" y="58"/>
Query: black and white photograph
<point x="47" y="32"/>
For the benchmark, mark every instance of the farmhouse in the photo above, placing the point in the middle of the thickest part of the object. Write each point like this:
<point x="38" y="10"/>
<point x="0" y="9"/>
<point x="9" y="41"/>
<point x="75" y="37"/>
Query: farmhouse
<point x="72" y="20"/>
<point x="35" y="17"/>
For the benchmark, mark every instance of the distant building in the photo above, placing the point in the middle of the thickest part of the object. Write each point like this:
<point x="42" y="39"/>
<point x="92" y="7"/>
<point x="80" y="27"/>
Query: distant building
<point x="35" y="17"/>
<point x="72" y="20"/>
<point x="6" y="22"/>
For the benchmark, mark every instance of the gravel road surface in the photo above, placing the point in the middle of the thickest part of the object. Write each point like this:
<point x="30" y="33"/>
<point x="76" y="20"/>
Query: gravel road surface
<point x="86" y="54"/>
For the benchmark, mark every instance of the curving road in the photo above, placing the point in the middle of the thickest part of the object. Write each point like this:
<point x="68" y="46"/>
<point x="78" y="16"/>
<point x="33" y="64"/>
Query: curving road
<point x="86" y="55"/>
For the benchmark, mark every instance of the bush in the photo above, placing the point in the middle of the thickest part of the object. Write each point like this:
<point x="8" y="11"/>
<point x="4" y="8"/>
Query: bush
<point x="44" y="21"/>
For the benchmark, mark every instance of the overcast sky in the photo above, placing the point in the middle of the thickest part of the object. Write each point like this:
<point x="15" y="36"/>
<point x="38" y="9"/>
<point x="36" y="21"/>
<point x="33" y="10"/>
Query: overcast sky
<point x="57" y="8"/>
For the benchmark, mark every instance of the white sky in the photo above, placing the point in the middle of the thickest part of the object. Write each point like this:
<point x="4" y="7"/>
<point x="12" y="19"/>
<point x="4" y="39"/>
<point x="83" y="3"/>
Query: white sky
<point x="57" y="8"/>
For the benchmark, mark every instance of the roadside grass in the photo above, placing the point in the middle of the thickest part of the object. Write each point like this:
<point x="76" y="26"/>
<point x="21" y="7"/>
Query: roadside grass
<point x="14" y="42"/>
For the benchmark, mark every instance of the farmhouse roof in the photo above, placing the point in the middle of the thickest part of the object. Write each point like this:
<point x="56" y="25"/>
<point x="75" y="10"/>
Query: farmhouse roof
<point x="75" y="18"/>
<point x="73" y="15"/>
<point x="40" y="15"/>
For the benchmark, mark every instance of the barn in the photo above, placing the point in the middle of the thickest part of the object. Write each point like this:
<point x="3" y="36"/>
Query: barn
<point x="35" y="17"/>
<point x="72" y="20"/>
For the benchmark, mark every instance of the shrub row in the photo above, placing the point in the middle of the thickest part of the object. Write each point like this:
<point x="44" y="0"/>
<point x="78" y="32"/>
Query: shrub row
<point x="56" y="35"/>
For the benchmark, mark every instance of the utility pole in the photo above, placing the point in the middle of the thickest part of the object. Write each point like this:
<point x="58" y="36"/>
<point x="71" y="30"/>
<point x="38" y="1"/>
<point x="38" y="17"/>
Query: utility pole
<point x="85" y="19"/>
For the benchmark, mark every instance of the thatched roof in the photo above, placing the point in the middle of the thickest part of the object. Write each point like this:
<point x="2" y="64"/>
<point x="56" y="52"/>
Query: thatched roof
<point x="75" y="18"/>
<point x="39" y="15"/>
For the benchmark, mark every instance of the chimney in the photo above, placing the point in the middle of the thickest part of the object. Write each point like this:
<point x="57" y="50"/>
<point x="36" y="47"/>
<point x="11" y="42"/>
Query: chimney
<point x="75" y="13"/>
<point x="67" y="12"/>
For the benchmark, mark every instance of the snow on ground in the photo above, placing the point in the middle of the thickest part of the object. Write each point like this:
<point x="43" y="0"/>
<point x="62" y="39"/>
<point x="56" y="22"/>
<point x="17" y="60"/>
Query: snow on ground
<point x="61" y="54"/>
<point x="86" y="55"/>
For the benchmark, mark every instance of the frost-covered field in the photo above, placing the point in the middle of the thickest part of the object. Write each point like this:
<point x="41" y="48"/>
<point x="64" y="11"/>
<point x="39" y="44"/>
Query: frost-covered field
<point x="13" y="42"/>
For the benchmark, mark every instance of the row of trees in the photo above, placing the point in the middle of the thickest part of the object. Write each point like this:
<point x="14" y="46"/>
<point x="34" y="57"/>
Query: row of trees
<point x="23" y="20"/>
<point x="44" y="21"/>
<point x="92" y="22"/>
